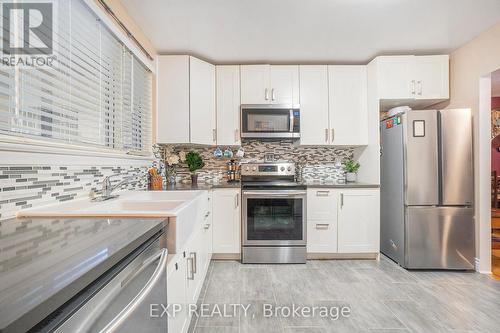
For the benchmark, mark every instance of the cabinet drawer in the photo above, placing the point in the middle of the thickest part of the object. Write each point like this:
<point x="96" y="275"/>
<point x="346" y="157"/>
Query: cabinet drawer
<point x="321" y="204"/>
<point x="321" y="236"/>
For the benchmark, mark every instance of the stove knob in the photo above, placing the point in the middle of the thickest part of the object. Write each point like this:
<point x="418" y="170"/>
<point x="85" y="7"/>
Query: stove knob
<point x="289" y="169"/>
<point x="282" y="168"/>
<point x="254" y="168"/>
<point x="247" y="168"/>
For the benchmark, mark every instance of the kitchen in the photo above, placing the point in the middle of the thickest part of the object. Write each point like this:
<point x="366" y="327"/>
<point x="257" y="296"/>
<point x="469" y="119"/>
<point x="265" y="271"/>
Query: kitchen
<point x="278" y="196"/>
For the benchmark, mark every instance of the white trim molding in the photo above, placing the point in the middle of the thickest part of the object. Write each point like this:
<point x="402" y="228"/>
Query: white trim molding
<point x="98" y="10"/>
<point x="483" y="175"/>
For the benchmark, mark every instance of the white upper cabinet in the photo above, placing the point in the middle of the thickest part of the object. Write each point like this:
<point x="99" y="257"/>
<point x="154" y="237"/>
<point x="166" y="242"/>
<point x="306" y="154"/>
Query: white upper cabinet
<point x="265" y="84"/>
<point x="255" y="84"/>
<point x="284" y="84"/>
<point x="413" y="78"/>
<point x="186" y="100"/>
<point x="432" y="77"/>
<point x="395" y="77"/>
<point x="172" y="122"/>
<point x="228" y="105"/>
<point x="348" y="105"/>
<point x="359" y="221"/>
<point x="333" y="105"/>
<point x="314" y="113"/>
<point x="202" y="102"/>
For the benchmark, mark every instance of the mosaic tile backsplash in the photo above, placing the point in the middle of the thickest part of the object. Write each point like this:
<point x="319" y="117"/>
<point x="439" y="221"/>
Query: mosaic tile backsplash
<point x="318" y="162"/>
<point x="23" y="186"/>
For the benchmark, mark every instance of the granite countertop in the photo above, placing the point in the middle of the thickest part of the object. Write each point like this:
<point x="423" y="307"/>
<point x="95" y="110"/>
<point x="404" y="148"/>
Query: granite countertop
<point x="201" y="186"/>
<point x="311" y="184"/>
<point x="46" y="261"/>
<point x="336" y="184"/>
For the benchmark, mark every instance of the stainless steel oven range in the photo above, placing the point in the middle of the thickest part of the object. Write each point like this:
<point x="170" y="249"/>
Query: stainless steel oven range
<point x="273" y="214"/>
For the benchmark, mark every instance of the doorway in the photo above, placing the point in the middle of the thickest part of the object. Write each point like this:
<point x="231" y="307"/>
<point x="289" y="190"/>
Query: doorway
<point x="495" y="174"/>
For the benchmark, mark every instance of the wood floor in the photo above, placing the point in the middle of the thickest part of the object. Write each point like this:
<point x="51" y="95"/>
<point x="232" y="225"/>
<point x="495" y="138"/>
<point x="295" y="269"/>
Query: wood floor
<point x="381" y="296"/>
<point x="495" y="251"/>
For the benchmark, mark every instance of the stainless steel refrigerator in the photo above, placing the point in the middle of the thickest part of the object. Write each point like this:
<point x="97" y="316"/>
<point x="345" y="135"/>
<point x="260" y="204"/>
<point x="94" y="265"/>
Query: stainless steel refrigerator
<point x="427" y="189"/>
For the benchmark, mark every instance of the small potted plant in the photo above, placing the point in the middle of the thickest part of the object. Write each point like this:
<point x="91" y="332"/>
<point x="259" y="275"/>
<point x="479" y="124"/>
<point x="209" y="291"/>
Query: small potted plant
<point x="351" y="169"/>
<point x="194" y="162"/>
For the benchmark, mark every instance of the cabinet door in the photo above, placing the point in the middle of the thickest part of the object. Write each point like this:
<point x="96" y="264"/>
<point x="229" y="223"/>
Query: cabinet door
<point x="359" y="221"/>
<point x="228" y="105"/>
<point x="284" y="84"/>
<point x="194" y="263"/>
<point x="314" y="120"/>
<point x="202" y="102"/>
<point x="348" y="105"/>
<point x="255" y="84"/>
<point x="226" y="221"/>
<point x="207" y="236"/>
<point x="176" y="294"/>
<point x="322" y="220"/>
<point x="432" y="77"/>
<point x="172" y="116"/>
<point x="395" y="77"/>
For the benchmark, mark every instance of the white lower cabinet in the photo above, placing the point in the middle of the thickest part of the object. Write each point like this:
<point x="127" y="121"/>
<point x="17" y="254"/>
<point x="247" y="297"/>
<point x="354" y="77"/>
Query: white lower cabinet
<point x="226" y="221"/>
<point x="359" y="221"/>
<point x="321" y="221"/>
<point x="187" y="270"/>
<point x="343" y="220"/>
<point x="176" y="294"/>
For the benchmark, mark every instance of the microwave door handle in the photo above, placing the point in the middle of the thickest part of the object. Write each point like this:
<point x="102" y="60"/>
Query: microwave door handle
<point x="115" y="324"/>
<point x="291" y="121"/>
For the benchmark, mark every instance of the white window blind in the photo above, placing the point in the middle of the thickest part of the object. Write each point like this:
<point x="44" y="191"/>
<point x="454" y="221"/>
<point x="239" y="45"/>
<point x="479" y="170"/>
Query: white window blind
<point x="99" y="94"/>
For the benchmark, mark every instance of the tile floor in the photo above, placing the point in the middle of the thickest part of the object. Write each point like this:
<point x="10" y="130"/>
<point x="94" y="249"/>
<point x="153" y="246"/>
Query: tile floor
<point x="381" y="297"/>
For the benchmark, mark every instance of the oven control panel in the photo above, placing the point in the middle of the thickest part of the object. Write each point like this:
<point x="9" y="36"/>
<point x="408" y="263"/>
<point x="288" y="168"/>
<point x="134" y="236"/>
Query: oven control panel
<point x="268" y="169"/>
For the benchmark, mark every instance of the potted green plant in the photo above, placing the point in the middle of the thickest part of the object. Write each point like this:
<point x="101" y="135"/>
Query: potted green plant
<point x="194" y="162"/>
<point x="351" y="168"/>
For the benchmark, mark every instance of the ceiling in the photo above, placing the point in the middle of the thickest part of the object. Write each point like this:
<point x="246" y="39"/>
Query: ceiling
<point x="310" y="31"/>
<point x="495" y="84"/>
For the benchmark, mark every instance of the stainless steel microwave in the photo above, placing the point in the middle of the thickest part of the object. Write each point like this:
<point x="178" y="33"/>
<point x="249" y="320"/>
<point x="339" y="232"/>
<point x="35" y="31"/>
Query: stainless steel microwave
<point x="270" y="121"/>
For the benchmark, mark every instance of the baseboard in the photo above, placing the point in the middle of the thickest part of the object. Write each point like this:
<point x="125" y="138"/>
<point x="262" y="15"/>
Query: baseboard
<point x="319" y="256"/>
<point x="226" y="256"/>
<point x="310" y="256"/>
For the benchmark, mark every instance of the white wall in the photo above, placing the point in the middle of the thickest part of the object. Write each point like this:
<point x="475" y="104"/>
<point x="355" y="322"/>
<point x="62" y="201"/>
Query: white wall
<point x="468" y="64"/>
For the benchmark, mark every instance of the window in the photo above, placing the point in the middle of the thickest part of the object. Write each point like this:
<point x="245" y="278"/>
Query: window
<point x="99" y="94"/>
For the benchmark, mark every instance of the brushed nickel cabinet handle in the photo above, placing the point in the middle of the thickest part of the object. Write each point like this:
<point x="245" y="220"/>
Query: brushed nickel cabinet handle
<point x="190" y="269"/>
<point x="333" y="134"/>
<point x="193" y="255"/>
<point x="326" y="134"/>
<point x="322" y="226"/>
<point x="413" y="87"/>
<point x="273" y="97"/>
<point x="322" y="193"/>
<point x="266" y="95"/>
<point x="419" y="85"/>
<point x="341" y="200"/>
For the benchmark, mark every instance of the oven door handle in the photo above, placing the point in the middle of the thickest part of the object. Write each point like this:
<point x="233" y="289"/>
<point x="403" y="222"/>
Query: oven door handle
<point x="281" y="194"/>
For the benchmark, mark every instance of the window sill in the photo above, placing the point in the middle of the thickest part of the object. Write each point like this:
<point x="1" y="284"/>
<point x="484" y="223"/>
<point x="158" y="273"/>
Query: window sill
<point x="12" y="149"/>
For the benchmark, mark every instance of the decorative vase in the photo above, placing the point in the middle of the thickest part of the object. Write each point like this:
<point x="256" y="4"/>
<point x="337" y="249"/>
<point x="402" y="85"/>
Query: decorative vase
<point x="351" y="177"/>
<point x="172" y="174"/>
<point x="194" y="179"/>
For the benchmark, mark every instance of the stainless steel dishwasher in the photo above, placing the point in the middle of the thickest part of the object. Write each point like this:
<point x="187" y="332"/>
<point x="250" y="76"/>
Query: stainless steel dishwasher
<point x="120" y="300"/>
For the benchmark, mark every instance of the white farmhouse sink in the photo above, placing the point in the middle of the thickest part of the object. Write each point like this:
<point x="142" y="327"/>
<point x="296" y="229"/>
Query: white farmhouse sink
<point x="149" y="205"/>
<point x="128" y="204"/>
<point x="183" y="209"/>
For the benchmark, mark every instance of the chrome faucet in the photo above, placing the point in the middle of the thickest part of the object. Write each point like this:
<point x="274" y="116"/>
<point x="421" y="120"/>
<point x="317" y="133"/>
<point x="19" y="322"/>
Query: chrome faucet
<point x="108" y="188"/>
